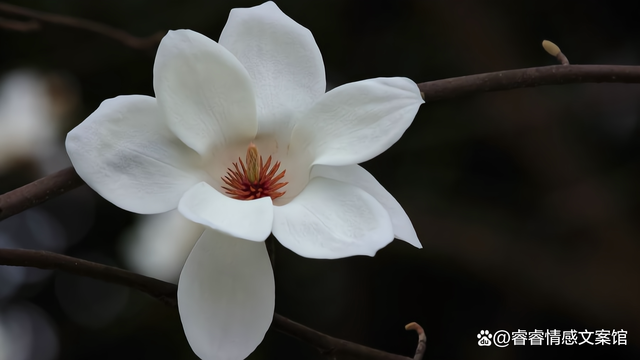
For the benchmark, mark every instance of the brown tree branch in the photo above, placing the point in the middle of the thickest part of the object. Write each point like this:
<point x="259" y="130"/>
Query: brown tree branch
<point x="39" y="191"/>
<point x="22" y="26"/>
<point x="138" y="43"/>
<point x="163" y="291"/>
<point x="529" y="77"/>
<point x="167" y="293"/>
<point x="433" y="90"/>
<point x="330" y="346"/>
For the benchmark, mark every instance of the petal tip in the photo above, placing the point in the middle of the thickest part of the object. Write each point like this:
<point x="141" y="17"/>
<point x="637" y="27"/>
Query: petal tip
<point x="411" y="240"/>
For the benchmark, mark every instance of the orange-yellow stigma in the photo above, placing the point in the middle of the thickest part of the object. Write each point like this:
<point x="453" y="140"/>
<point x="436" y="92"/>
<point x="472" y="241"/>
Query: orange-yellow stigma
<point x="255" y="180"/>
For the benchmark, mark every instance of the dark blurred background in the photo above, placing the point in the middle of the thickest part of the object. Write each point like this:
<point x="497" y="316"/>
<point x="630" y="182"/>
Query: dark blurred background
<point x="524" y="200"/>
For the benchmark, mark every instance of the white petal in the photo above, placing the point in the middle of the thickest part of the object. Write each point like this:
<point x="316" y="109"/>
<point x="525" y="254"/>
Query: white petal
<point x="331" y="219"/>
<point x="204" y="90"/>
<point x="158" y="245"/>
<point x="226" y="296"/>
<point x="356" y="122"/>
<point x="283" y="61"/>
<point x="128" y="155"/>
<point x="356" y="175"/>
<point x="250" y="219"/>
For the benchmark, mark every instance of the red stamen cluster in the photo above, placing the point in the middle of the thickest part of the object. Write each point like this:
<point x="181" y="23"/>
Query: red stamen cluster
<point x="266" y="184"/>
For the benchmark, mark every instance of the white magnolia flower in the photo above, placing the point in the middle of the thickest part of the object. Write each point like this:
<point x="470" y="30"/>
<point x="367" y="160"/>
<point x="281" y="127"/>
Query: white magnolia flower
<point x="242" y="138"/>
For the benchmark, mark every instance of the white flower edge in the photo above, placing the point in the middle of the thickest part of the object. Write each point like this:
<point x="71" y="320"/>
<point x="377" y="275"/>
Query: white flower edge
<point x="356" y="122"/>
<point x="125" y="151"/>
<point x="356" y="175"/>
<point x="332" y="219"/>
<point x="283" y="61"/>
<point x="249" y="220"/>
<point x="204" y="92"/>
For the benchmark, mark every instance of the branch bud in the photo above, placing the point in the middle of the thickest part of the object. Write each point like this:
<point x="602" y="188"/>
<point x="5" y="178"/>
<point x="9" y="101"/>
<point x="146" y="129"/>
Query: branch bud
<point x="551" y="48"/>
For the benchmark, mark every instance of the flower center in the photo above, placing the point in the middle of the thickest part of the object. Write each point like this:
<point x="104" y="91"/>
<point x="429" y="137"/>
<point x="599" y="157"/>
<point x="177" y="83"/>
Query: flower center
<point x="256" y="180"/>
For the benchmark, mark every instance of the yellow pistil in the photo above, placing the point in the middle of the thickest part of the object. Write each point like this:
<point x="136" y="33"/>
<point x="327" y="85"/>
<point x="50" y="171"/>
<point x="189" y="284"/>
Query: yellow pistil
<point x="253" y="167"/>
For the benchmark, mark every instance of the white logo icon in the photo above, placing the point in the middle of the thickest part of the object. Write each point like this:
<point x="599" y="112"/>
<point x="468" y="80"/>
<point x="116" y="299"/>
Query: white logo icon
<point x="484" y="338"/>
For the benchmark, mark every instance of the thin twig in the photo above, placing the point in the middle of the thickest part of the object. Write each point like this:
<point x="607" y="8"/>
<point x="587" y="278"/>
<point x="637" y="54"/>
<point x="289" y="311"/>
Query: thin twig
<point x="562" y="58"/>
<point x="37" y="192"/>
<point x="422" y="340"/>
<point x="167" y="293"/>
<point x="22" y="26"/>
<point x="138" y="43"/>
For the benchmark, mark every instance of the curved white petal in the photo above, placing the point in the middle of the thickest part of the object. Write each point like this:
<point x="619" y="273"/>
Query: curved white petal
<point x="204" y="90"/>
<point x="356" y="175"/>
<point x="246" y="219"/>
<point x="226" y="296"/>
<point x="128" y="155"/>
<point x="158" y="245"/>
<point x="331" y="219"/>
<point x="283" y="61"/>
<point x="356" y="122"/>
